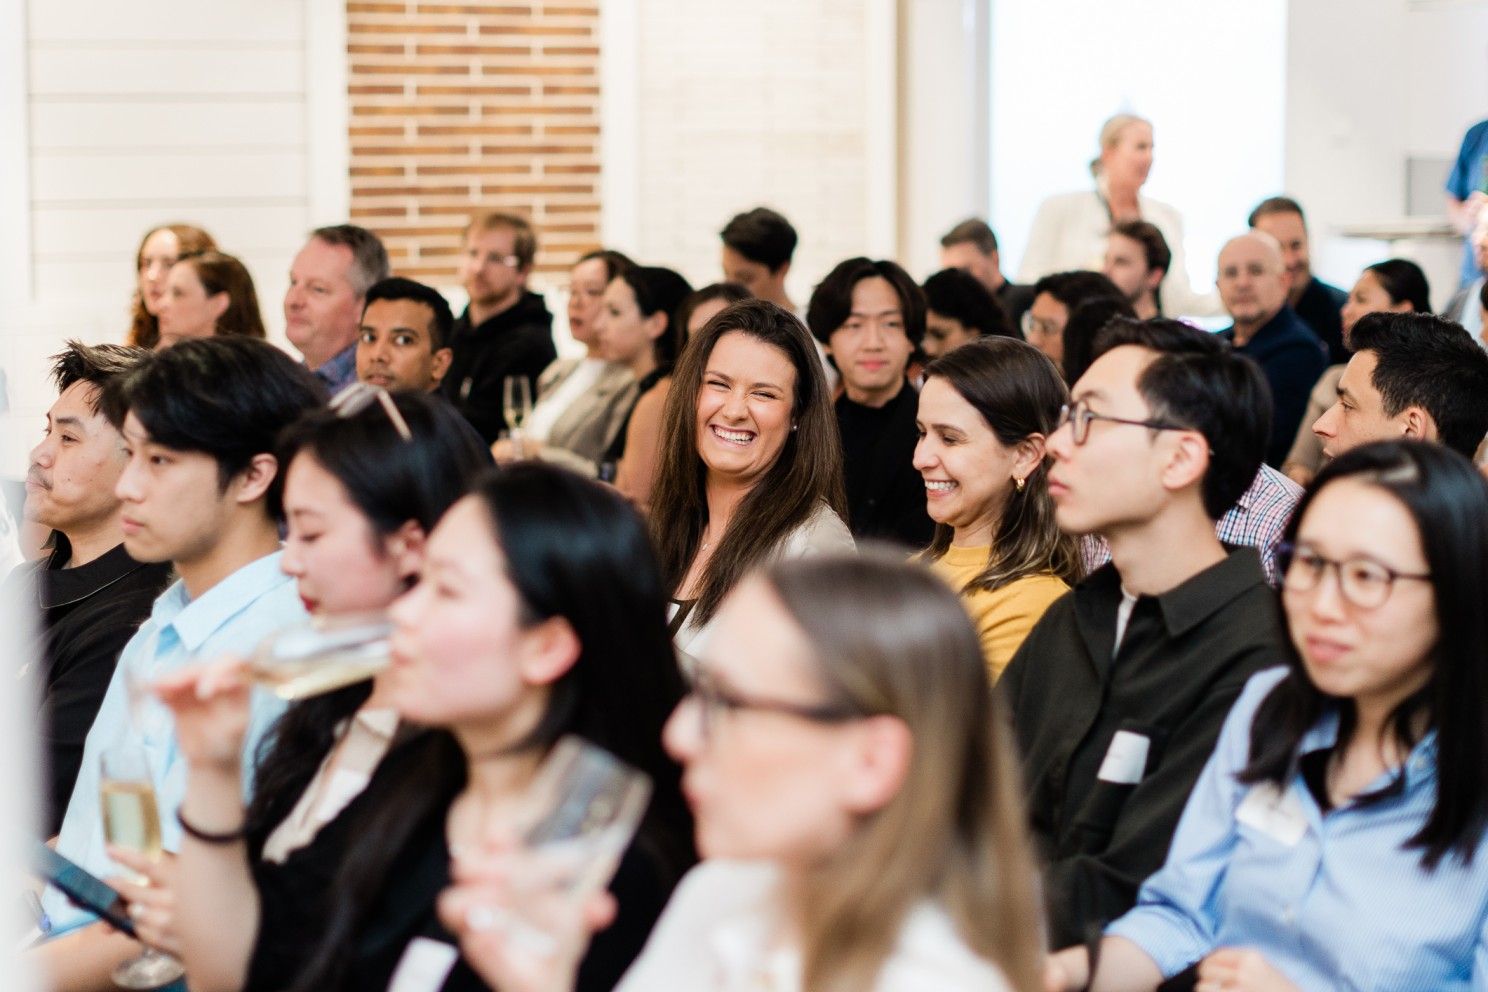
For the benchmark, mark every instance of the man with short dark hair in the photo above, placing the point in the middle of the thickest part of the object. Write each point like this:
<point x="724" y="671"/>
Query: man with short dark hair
<point x="1253" y="282"/>
<point x="1412" y="375"/>
<point x="1118" y="693"/>
<point x="972" y="247"/>
<point x="1055" y="297"/>
<point x="757" y="249"/>
<point x="328" y="281"/>
<point x="1137" y="260"/>
<point x="1316" y="302"/>
<point x="201" y="489"/>
<point x="405" y="336"/>
<point x="506" y="330"/>
<point x="90" y="594"/>
<point x="959" y="310"/>
<point x="870" y="315"/>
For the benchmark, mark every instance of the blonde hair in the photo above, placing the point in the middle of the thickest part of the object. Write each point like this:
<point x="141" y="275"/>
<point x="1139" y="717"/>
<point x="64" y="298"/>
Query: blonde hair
<point x="1110" y="133"/>
<point x="890" y="638"/>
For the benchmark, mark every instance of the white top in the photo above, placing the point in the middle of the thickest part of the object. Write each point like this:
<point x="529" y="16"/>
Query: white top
<point x="718" y="935"/>
<point x="1070" y="230"/>
<point x="552" y="406"/>
<point x="823" y="533"/>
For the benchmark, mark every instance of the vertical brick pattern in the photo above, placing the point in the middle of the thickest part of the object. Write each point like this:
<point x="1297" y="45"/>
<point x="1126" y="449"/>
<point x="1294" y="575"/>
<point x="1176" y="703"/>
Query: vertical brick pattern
<point x="457" y="108"/>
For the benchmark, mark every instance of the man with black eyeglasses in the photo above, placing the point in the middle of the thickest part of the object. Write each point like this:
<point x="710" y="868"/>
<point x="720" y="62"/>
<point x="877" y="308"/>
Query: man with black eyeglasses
<point x="1118" y="693"/>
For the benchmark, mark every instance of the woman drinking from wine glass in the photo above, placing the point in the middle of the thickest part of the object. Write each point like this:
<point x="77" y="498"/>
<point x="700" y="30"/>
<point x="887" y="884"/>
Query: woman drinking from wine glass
<point x="857" y="805"/>
<point x="365" y="485"/>
<point x="1335" y="839"/>
<point x="985" y="411"/>
<point x="751" y="466"/>
<point x="537" y="607"/>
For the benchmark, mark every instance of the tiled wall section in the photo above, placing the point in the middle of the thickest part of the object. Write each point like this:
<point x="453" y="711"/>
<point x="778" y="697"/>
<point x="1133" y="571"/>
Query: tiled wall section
<point x="457" y="108"/>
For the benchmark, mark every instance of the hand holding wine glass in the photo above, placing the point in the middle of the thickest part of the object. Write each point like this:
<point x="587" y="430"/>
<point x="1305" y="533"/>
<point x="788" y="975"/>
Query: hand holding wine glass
<point x="210" y="704"/>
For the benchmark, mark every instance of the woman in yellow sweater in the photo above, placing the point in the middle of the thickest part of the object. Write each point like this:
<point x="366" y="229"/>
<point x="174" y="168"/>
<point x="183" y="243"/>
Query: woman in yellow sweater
<point x="984" y="413"/>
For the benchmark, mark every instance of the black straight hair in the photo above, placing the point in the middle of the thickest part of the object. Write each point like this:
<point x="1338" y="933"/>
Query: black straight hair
<point x="96" y="364"/>
<point x="961" y="296"/>
<point x="1425" y="361"/>
<point x="659" y="290"/>
<point x="729" y="292"/>
<point x="575" y="549"/>
<point x="390" y="481"/>
<point x="1083" y="326"/>
<point x="1448" y="501"/>
<point x="227" y="397"/>
<point x="831" y="301"/>
<point x="1196" y="382"/>
<point x="1404" y="282"/>
<point x="761" y="235"/>
<point x="1075" y="287"/>
<point x="442" y="319"/>
<point x="615" y="262"/>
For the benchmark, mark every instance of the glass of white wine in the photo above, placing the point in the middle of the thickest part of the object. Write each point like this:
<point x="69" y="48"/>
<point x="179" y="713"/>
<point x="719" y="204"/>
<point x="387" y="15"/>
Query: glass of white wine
<point x="516" y="404"/>
<point x="322" y="654"/>
<point x="131" y="820"/>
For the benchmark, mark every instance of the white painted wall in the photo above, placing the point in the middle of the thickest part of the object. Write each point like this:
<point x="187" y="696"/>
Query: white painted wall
<point x="1210" y="75"/>
<point x="113" y="119"/>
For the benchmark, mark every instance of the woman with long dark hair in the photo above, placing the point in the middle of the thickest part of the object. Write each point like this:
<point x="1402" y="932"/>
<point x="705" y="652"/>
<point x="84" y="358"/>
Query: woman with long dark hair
<point x="985" y="410"/>
<point x="1334" y="839"/>
<point x="751" y="463"/>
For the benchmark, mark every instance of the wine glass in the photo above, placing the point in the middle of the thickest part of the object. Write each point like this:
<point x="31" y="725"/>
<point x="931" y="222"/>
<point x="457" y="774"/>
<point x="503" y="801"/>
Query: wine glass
<point x="581" y="812"/>
<point x="516" y="404"/>
<point x="131" y="820"/>
<point x="322" y="654"/>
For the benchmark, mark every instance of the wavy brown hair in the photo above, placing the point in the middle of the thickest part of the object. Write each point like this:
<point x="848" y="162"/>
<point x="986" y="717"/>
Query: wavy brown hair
<point x="807" y="473"/>
<point x="144" y="329"/>
<point x="220" y="273"/>
<point x="1018" y="392"/>
<point x="889" y="638"/>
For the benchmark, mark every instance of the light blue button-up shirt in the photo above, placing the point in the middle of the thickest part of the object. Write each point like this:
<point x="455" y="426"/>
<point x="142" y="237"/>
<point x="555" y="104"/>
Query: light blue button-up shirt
<point x="1333" y="901"/>
<point x="230" y="618"/>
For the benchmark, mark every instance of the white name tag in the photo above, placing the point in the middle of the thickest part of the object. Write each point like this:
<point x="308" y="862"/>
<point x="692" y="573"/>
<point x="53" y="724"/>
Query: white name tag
<point x="424" y="966"/>
<point x="1274" y="813"/>
<point x="1126" y="759"/>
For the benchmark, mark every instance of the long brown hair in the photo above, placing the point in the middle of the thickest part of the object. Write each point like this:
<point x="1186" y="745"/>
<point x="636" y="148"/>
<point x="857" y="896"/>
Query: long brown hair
<point x="807" y="473"/>
<point x="220" y="273"/>
<point x="144" y="329"/>
<point x="889" y="638"/>
<point x="1018" y="392"/>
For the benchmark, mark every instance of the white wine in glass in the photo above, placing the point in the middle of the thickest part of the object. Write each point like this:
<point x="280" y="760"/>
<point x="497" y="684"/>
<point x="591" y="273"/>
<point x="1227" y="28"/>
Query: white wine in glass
<point x="322" y="654"/>
<point x="516" y="401"/>
<point x="131" y="820"/>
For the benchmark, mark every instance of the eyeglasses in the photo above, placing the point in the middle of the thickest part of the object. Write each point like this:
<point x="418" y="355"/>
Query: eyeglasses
<point x="1032" y="325"/>
<point x="1363" y="582"/>
<point x="1080" y="415"/>
<point x="359" y="395"/>
<point x="713" y="700"/>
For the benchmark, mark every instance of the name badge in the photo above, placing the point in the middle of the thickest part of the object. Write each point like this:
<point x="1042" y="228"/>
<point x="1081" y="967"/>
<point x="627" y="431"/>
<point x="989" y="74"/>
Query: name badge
<point x="1126" y="759"/>
<point x="1274" y="813"/>
<point x="424" y="966"/>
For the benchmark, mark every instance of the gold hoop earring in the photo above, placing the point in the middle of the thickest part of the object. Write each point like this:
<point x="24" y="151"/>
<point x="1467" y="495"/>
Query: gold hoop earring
<point x="1019" y="483"/>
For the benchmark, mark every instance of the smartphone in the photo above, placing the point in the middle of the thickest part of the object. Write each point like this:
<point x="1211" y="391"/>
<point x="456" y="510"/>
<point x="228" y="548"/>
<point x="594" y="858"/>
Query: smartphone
<point x="85" y="889"/>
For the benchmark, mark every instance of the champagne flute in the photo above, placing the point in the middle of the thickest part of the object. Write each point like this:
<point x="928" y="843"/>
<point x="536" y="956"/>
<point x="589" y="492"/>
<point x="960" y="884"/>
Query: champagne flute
<point x="516" y="403"/>
<point x="581" y="812"/>
<point x="322" y="654"/>
<point x="131" y="820"/>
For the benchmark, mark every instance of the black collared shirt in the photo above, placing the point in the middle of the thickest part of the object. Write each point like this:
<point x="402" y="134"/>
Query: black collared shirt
<point x="885" y="493"/>
<point x="1183" y="660"/>
<point x="86" y="616"/>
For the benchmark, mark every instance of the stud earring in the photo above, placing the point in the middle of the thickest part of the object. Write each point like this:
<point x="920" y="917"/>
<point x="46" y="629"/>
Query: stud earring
<point x="793" y="428"/>
<point x="1019" y="483"/>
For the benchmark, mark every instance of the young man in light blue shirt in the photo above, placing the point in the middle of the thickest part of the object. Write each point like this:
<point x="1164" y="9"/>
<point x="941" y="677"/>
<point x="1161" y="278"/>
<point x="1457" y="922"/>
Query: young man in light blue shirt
<point x="201" y="489"/>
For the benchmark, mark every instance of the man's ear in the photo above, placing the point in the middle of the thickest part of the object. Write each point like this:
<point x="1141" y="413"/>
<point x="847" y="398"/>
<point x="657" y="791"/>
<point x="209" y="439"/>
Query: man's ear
<point x="1187" y="462"/>
<point x="255" y="480"/>
<point x="1418" y="424"/>
<point x="439" y="367"/>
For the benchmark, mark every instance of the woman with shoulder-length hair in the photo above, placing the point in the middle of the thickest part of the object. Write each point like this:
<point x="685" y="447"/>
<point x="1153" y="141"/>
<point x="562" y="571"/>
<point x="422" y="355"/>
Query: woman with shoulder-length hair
<point x="985" y="411"/>
<point x="751" y="464"/>
<point x="158" y="251"/>
<point x="1335" y="839"/>
<point x="1070" y="229"/>
<point x="857" y="799"/>
<point x="205" y="294"/>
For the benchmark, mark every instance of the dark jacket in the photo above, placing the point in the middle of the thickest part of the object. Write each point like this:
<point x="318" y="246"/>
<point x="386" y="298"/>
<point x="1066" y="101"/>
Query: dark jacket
<point x="1320" y="307"/>
<point x="86" y="616"/>
<point x="517" y="341"/>
<point x="885" y="494"/>
<point x="1292" y="358"/>
<point x="1182" y="663"/>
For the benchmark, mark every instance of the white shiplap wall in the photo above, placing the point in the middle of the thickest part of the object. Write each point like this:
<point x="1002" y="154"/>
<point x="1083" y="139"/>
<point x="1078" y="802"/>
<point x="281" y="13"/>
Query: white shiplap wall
<point x="226" y="114"/>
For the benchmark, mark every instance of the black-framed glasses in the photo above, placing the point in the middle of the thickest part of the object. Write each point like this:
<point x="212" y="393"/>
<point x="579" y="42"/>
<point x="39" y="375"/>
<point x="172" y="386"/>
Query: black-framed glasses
<point x="713" y="699"/>
<point x="1362" y="582"/>
<point x="1080" y="415"/>
<point x="359" y="395"/>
